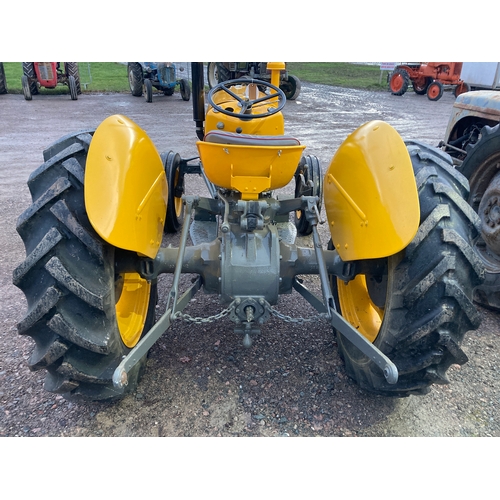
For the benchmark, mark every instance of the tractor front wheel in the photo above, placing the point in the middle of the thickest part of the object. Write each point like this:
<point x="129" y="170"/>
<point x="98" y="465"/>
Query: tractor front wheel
<point x="175" y="204"/>
<point x="417" y="308"/>
<point x="291" y="87"/>
<point x="399" y="81"/>
<point x="435" y="91"/>
<point x="148" y="90"/>
<point x="26" y="88"/>
<point x="308" y="182"/>
<point x="84" y="313"/>
<point x="185" y="89"/>
<point x="72" y="88"/>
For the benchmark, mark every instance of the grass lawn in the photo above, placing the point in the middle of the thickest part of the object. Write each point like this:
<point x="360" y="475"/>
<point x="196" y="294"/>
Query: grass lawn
<point x="94" y="77"/>
<point x="112" y="76"/>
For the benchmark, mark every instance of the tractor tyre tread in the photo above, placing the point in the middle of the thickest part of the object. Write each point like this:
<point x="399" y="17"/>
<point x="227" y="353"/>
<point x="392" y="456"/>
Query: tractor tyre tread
<point x="68" y="280"/>
<point x="135" y="76"/>
<point x="429" y="304"/>
<point x="29" y="71"/>
<point x="72" y="70"/>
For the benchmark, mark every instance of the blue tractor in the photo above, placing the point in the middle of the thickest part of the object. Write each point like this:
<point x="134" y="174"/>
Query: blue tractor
<point x="143" y="76"/>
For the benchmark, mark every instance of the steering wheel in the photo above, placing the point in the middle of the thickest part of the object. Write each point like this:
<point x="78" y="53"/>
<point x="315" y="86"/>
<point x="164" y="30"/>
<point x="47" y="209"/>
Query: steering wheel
<point x="245" y="103"/>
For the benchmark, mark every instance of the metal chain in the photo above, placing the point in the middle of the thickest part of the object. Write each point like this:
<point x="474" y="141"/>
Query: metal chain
<point x="200" y="321"/>
<point x="299" y="320"/>
<point x="211" y="319"/>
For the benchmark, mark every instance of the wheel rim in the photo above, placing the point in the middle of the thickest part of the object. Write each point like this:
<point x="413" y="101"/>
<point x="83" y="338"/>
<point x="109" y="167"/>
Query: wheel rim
<point x="178" y="203"/>
<point x="397" y="82"/>
<point x="433" y="91"/>
<point x="358" y="307"/>
<point x="132" y="306"/>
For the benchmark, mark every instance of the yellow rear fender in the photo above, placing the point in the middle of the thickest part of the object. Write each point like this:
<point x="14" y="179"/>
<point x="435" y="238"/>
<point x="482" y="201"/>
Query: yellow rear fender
<point x="125" y="187"/>
<point x="370" y="194"/>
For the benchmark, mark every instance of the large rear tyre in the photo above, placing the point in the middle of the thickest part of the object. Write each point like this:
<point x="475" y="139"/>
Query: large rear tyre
<point x="135" y="78"/>
<point x="72" y="70"/>
<point x="83" y="313"/>
<point x="421" y="84"/>
<point x="3" y="81"/>
<point x="399" y="81"/>
<point x="480" y="166"/>
<point x="175" y="204"/>
<point x="29" y="72"/>
<point x="417" y="307"/>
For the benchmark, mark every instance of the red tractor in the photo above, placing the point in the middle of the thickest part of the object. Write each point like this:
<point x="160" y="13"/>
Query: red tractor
<point x="49" y="75"/>
<point x="427" y="78"/>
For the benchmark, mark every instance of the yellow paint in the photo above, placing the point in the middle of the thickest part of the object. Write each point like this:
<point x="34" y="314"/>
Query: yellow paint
<point x="125" y="187"/>
<point x="132" y="308"/>
<point x="358" y="309"/>
<point x="370" y="195"/>
<point x="270" y="125"/>
<point x="250" y="170"/>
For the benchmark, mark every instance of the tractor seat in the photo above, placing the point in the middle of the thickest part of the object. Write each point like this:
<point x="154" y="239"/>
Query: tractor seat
<point x="250" y="164"/>
<point x="233" y="139"/>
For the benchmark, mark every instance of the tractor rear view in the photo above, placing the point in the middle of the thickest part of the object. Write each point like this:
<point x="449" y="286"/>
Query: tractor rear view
<point x="427" y="78"/>
<point x="396" y="276"/>
<point x="49" y="75"/>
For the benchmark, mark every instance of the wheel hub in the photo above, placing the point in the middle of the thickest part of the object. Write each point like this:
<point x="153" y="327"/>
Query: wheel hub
<point x="489" y="212"/>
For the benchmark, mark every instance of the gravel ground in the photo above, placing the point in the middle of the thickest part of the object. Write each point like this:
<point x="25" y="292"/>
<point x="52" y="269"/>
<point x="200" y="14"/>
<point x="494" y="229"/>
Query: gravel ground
<point x="200" y="380"/>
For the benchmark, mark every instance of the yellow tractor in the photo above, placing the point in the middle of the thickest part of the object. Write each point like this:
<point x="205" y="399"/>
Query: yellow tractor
<point x="396" y="277"/>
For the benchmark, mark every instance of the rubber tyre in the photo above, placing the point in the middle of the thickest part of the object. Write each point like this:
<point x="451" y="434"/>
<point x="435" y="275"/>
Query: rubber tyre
<point x="72" y="70"/>
<point x="291" y="87"/>
<point x="185" y="89"/>
<point x="72" y="88"/>
<point x="148" y="90"/>
<point x="223" y="73"/>
<point x="3" y="80"/>
<point x="399" y="81"/>
<point x="480" y="166"/>
<point x="175" y="204"/>
<point x="435" y="91"/>
<point x="425" y="293"/>
<point x="26" y="88"/>
<point x="308" y="182"/>
<point x="421" y="84"/>
<point x="29" y="71"/>
<point x="135" y="78"/>
<point x="68" y="278"/>
<point x="212" y="74"/>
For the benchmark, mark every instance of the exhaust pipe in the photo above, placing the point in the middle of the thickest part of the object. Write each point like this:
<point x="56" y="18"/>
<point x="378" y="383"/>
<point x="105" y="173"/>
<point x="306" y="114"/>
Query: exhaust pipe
<point x="198" y="98"/>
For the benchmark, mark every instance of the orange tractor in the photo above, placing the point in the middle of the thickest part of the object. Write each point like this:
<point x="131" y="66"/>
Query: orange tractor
<point x="427" y="78"/>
